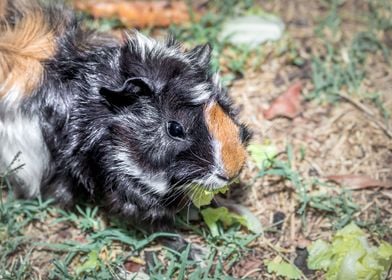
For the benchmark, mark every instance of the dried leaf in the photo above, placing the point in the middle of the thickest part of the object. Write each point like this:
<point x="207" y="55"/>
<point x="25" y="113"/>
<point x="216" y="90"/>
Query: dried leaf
<point x="131" y="266"/>
<point x="358" y="182"/>
<point x="287" y="105"/>
<point x="247" y="267"/>
<point x="137" y="13"/>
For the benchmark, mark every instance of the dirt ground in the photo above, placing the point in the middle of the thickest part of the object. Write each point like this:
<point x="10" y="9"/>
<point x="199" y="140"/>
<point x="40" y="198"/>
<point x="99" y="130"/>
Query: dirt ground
<point x="339" y="139"/>
<point x="349" y="137"/>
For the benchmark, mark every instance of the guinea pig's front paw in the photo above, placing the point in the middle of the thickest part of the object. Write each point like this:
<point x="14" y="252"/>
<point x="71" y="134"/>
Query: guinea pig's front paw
<point x="128" y="210"/>
<point x="149" y="217"/>
<point x="61" y="192"/>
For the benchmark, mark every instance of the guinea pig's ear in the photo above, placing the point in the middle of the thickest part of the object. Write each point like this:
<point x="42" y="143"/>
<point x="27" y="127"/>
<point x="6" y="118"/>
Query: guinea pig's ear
<point x="128" y="92"/>
<point x="201" y="55"/>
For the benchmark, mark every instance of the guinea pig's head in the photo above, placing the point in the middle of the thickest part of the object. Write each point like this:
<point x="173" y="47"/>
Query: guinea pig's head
<point x="174" y="124"/>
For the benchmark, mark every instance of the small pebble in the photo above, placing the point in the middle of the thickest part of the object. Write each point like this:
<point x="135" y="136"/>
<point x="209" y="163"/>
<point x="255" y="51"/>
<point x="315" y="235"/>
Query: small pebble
<point x="301" y="260"/>
<point x="278" y="219"/>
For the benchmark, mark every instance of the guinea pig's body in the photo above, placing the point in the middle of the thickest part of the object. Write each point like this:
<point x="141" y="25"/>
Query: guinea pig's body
<point x="132" y="124"/>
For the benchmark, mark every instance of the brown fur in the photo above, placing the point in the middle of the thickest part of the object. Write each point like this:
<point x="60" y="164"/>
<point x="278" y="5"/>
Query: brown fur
<point x="23" y="47"/>
<point x="224" y="130"/>
<point x="3" y="9"/>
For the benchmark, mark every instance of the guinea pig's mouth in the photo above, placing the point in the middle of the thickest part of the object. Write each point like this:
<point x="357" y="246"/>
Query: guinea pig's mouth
<point x="213" y="182"/>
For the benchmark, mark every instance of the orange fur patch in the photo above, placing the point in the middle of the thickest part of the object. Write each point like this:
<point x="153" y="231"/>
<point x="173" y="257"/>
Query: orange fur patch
<point x="23" y="48"/>
<point x="3" y="9"/>
<point x="226" y="132"/>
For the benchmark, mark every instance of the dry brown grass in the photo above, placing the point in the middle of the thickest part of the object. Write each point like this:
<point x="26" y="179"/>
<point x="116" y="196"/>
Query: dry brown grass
<point x="340" y="138"/>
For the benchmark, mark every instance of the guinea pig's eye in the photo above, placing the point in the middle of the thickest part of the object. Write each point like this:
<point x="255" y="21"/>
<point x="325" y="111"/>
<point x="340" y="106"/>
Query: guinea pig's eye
<point x="175" y="130"/>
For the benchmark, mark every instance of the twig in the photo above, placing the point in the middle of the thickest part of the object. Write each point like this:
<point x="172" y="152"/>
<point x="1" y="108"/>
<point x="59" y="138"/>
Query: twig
<point x="369" y="113"/>
<point x="250" y="273"/>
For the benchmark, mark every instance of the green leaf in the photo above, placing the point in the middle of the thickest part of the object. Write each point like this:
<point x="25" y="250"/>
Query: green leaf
<point x="321" y="255"/>
<point x="212" y="216"/>
<point x="350" y="256"/>
<point x="201" y="197"/>
<point x="252" y="222"/>
<point x="90" y="264"/>
<point x="251" y="30"/>
<point x="262" y="154"/>
<point x="282" y="268"/>
<point x="385" y="251"/>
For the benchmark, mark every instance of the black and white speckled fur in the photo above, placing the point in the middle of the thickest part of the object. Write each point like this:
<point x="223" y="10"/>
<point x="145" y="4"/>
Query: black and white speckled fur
<point x="105" y="136"/>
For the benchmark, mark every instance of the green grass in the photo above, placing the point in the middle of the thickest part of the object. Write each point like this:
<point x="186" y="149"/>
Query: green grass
<point x="339" y="68"/>
<point x="230" y="246"/>
<point x="17" y="215"/>
<point x="207" y="30"/>
<point x="311" y="193"/>
<point x="380" y="15"/>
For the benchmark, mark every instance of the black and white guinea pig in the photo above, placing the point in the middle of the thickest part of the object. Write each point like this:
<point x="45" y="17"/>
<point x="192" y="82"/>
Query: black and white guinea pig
<point x="131" y="123"/>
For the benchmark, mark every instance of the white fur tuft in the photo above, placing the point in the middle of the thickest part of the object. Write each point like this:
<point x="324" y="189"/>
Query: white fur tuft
<point x="22" y="134"/>
<point x="217" y="80"/>
<point x="201" y="93"/>
<point x="149" y="46"/>
<point x="155" y="182"/>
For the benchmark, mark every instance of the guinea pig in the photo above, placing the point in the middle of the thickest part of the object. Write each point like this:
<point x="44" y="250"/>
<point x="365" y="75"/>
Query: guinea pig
<point x="130" y="123"/>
